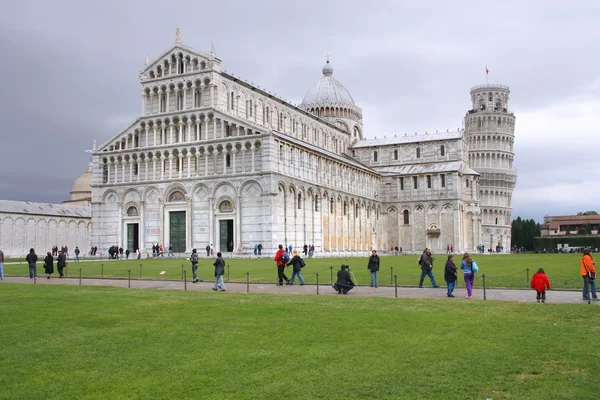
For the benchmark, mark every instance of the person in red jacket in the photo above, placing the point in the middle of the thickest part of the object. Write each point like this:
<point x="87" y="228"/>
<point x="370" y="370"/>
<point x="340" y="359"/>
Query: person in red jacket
<point x="540" y="283"/>
<point x="280" y="261"/>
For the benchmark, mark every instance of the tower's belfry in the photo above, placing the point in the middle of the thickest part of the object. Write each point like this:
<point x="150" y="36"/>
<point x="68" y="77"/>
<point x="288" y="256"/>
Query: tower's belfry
<point x="490" y="134"/>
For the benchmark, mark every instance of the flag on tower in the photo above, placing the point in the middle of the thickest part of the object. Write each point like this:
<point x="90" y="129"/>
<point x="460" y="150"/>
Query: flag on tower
<point x="486" y="70"/>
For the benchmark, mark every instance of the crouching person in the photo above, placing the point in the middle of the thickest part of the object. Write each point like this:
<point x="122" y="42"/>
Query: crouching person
<point x="344" y="282"/>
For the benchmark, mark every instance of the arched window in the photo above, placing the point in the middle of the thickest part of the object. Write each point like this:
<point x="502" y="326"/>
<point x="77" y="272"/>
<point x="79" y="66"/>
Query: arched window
<point x="226" y="206"/>
<point x="418" y="152"/>
<point x="197" y="98"/>
<point x="299" y="201"/>
<point x="232" y="105"/>
<point x="395" y="154"/>
<point x="375" y="156"/>
<point x="406" y="217"/>
<point x="331" y="206"/>
<point x="228" y="160"/>
<point x="176" y="196"/>
<point x="132" y="211"/>
<point x="316" y="203"/>
<point x="442" y="150"/>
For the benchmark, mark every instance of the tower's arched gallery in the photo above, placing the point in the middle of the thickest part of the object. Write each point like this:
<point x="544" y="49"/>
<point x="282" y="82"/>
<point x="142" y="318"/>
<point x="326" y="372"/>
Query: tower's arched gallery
<point x="216" y="160"/>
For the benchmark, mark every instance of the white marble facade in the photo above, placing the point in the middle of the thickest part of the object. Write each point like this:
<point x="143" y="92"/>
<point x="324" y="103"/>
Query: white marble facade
<point x="213" y="159"/>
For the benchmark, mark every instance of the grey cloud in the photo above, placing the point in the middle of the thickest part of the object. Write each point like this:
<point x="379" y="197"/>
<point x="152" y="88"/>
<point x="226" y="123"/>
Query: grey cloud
<point x="72" y="70"/>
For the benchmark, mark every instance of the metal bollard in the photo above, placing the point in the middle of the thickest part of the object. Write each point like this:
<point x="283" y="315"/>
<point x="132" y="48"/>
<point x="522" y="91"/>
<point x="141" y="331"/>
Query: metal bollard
<point x="184" y="279"/>
<point x="79" y="276"/>
<point x="140" y="271"/>
<point x="129" y="280"/>
<point x="392" y="276"/>
<point x="102" y="271"/>
<point x="527" y="281"/>
<point x="228" y="275"/>
<point x="181" y="271"/>
<point x="247" y="282"/>
<point x="484" y="292"/>
<point x="317" y="283"/>
<point x="331" y="268"/>
<point x="396" y="285"/>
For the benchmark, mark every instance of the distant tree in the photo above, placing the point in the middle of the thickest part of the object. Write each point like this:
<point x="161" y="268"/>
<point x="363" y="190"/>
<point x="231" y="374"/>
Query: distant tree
<point x="587" y="213"/>
<point x="524" y="231"/>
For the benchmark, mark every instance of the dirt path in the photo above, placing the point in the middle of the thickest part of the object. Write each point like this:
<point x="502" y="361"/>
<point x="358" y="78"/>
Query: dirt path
<point x="558" y="296"/>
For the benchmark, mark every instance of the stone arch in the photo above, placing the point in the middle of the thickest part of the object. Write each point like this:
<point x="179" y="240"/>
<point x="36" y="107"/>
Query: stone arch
<point x="224" y="188"/>
<point x="200" y="192"/>
<point x="110" y="196"/>
<point x="175" y="187"/>
<point x="250" y="188"/>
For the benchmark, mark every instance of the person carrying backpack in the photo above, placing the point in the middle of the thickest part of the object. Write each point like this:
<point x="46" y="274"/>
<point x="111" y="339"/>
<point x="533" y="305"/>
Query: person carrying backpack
<point x="194" y="261"/>
<point x="298" y="263"/>
<point x="282" y="257"/>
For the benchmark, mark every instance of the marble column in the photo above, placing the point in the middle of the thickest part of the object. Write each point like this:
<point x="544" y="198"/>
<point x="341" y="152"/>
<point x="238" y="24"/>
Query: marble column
<point x="142" y="230"/>
<point x="238" y="225"/>
<point x="189" y="164"/>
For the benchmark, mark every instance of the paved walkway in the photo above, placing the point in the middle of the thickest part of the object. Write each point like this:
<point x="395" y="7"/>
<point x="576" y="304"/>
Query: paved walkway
<point x="519" y="295"/>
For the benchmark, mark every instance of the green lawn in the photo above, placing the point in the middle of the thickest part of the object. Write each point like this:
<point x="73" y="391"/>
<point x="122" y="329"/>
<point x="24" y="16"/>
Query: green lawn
<point x="65" y="342"/>
<point x="500" y="270"/>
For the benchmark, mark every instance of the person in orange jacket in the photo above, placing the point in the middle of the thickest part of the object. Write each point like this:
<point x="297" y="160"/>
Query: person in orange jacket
<point x="588" y="273"/>
<point x="540" y="283"/>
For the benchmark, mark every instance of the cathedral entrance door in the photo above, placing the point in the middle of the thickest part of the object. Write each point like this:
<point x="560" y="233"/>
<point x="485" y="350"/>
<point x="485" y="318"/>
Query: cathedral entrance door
<point x="226" y="235"/>
<point x="177" y="231"/>
<point x="133" y="235"/>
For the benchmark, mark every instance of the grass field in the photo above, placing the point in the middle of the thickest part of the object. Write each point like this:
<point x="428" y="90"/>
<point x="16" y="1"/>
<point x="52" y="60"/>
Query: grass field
<point x="501" y="270"/>
<point x="65" y="342"/>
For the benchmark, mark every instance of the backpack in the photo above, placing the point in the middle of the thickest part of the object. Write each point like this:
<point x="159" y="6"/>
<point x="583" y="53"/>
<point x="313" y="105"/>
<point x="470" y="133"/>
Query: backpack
<point x="194" y="258"/>
<point x="420" y="259"/>
<point x="285" y="257"/>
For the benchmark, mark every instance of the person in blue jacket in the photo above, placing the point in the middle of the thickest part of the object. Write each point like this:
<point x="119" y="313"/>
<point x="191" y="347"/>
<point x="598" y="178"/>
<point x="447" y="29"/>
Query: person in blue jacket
<point x="470" y="267"/>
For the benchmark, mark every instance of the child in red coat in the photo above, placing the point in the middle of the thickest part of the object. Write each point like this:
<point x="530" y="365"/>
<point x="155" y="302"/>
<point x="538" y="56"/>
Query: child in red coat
<point x="540" y="283"/>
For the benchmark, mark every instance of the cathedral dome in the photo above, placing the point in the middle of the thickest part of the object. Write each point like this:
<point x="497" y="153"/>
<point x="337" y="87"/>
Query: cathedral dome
<point x="327" y="91"/>
<point x="81" y="190"/>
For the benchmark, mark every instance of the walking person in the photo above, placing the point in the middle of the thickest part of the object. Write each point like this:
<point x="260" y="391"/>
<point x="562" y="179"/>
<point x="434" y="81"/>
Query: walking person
<point x="219" y="272"/>
<point x="470" y="267"/>
<point x="170" y="254"/>
<point x="588" y="273"/>
<point x="32" y="260"/>
<point x="194" y="261"/>
<point x="207" y="250"/>
<point x="373" y="268"/>
<point x="61" y="263"/>
<point x="298" y="263"/>
<point x="49" y="265"/>
<point x="77" y="251"/>
<point x="260" y="247"/>
<point x="426" y="263"/>
<point x="1" y="265"/>
<point x="540" y="283"/>
<point x="450" y="275"/>
<point x="280" y="261"/>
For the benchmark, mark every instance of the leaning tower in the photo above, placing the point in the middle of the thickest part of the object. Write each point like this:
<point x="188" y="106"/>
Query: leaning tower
<point x="490" y="135"/>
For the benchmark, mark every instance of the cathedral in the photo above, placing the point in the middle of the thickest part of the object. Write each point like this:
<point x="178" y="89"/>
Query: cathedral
<point x="214" y="159"/>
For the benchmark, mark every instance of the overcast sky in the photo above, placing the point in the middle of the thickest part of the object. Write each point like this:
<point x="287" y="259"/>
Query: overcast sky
<point x="70" y="76"/>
